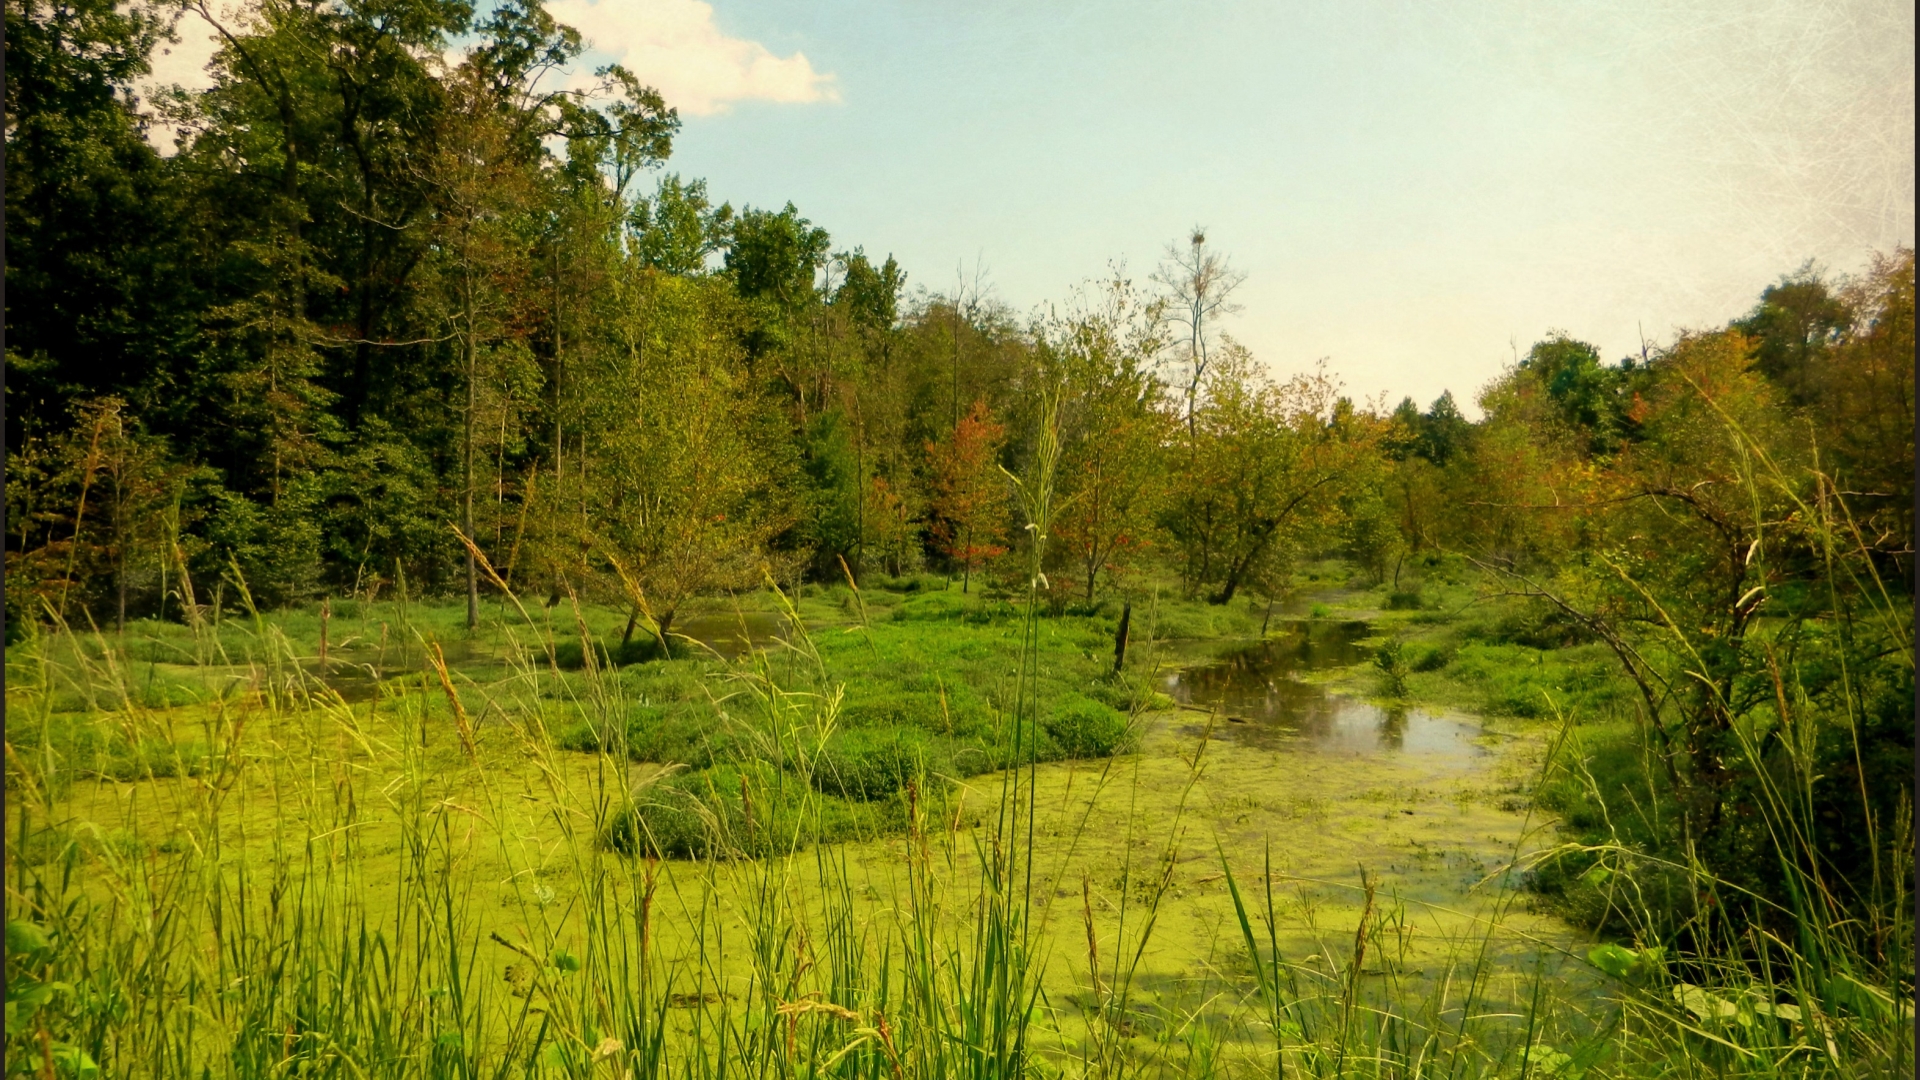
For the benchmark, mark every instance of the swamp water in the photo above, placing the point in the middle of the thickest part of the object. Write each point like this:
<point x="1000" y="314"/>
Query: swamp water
<point x="1259" y="767"/>
<point x="1259" y="699"/>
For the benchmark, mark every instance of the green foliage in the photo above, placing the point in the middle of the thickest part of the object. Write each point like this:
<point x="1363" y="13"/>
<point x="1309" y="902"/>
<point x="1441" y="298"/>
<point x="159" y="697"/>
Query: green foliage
<point x="374" y="294"/>
<point x="1390" y="660"/>
<point x="870" y="762"/>
<point x="1586" y="395"/>
<point x="774" y="256"/>
<point x="870" y="296"/>
<point x="678" y="230"/>
<point x="1082" y="728"/>
<point x="740" y="809"/>
<point x="831" y="464"/>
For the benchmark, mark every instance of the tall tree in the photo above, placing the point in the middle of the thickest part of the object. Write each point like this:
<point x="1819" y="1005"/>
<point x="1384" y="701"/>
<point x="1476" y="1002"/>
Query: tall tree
<point x="97" y="301"/>
<point x="1200" y="285"/>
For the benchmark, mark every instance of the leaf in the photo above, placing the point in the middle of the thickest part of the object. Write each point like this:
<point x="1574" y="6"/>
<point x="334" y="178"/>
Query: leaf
<point x="1705" y="1007"/>
<point x="1614" y="960"/>
<point x="1860" y="998"/>
<point x="566" y="961"/>
<point x="1547" y="1061"/>
<point x="1624" y="963"/>
<point x="34" y="993"/>
<point x="25" y="939"/>
<point x="73" y="1061"/>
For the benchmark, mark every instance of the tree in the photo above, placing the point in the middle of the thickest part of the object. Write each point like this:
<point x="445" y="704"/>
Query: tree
<point x="1695" y="559"/>
<point x="969" y="495"/>
<point x="1263" y="468"/>
<point x="833" y="526"/>
<point x="891" y="533"/>
<point x="1200" y="286"/>
<point x="484" y="185"/>
<point x="98" y="302"/>
<point x="774" y="259"/>
<point x="870" y="296"/>
<point x="687" y="482"/>
<point x="1797" y="320"/>
<point x="1865" y="410"/>
<point x="1111" y="478"/>
<point x="677" y="230"/>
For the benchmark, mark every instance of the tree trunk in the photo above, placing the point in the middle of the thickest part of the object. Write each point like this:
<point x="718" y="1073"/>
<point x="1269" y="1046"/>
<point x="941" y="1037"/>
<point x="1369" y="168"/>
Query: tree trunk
<point x="466" y="508"/>
<point x="633" y="619"/>
<point x="859" y="506"/>
<point x="666" y="622"/>
<point x="1120" y="638"/>
<point x="120" y="563"/>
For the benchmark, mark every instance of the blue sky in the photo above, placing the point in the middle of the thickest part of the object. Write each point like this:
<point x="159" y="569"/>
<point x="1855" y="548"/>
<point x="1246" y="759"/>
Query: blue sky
<point x="1414" y="189"/>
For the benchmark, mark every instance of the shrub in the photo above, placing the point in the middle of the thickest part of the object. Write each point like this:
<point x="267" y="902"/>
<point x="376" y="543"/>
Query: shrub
<point x="748" y="808"/>
<point x="1405" y="601"/>
<point x="912" y="583"/>
<point x="569" y="656"/>
<point x="676" y="734"/>
<point x="872" y="763"/>
<point x="1083" y="728"/>
<point x="932" y="607"/>
<point x="1391" y="661"/>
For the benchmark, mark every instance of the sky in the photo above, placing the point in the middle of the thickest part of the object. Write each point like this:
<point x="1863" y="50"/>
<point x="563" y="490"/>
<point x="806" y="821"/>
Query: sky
<point x="1416" y="190"/>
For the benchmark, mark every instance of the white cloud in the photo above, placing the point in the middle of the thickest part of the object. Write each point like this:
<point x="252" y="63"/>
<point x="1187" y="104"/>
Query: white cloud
<point x="674" y="46"/>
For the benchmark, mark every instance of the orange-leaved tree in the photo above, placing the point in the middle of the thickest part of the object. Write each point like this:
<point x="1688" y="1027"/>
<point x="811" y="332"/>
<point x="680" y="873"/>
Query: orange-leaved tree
<point x="969" y="494"/>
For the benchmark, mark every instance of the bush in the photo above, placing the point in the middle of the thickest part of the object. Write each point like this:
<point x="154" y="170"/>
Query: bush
<point x="1540" y="628"/>
<point x="1391" y="661"/>
<point x="932" y="607"/>
<point x="1405" y="601"/>
<point x="1083" y="728"/>
<point x="677" y="734"/>
<point x="872" y="763"/>
<point x="912" y="583"/>
<point x="569" y="656"/>
<point x="748" y="809"/>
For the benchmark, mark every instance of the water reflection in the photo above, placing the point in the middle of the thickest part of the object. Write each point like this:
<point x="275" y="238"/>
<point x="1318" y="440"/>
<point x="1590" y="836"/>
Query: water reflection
<point x="1260" y="701"/>
<point x="734" y="633"/>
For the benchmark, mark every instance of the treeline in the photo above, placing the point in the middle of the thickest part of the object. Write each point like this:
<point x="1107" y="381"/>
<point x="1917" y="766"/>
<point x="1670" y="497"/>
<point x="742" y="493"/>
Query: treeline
<point x="377" y="297"/>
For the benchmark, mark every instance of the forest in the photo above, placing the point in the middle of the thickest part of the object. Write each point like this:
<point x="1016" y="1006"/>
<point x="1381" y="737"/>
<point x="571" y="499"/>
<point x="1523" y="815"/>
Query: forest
<point x="396" y="344"/>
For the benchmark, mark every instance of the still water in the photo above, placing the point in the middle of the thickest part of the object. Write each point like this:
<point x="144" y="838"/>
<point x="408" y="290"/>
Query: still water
<point x="1257" y="696"/>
